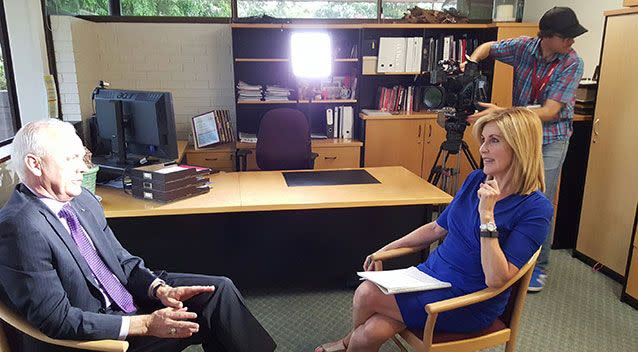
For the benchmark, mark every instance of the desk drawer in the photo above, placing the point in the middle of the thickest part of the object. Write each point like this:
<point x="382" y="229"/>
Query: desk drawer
<point x="332" y="158"/>
<point x="224" y="161"/>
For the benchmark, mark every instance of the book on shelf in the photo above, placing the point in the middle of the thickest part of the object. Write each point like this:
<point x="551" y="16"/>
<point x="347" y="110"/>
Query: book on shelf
<point x="212" y="128"/>
<point x="398" y="99"/>
<point x="403" y="280"/>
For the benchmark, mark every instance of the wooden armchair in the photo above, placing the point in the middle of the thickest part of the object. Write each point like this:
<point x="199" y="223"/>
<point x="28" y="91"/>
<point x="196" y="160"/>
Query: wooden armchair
<point x="7" y="316"/>
<point x="503" y="331"/>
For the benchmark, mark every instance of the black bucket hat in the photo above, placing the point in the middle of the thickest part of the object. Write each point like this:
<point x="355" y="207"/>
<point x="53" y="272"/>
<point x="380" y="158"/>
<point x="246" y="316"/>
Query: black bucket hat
<point x="562" y="21"/>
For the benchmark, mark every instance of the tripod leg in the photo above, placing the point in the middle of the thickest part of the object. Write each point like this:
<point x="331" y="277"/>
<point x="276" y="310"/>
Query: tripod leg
<point x="469" y="156"/>
<point x="433" y="170"/>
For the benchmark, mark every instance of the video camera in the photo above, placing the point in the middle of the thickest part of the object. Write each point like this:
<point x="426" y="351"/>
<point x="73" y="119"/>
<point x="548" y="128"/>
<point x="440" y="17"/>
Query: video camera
<point x="458" y="94"/>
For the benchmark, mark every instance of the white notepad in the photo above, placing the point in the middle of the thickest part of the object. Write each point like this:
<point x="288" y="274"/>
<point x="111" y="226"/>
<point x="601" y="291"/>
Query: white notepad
<point x="403" y="280"/>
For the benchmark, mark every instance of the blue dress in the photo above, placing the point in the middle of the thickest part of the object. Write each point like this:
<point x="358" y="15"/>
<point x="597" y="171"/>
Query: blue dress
<point x="522" y="221"/>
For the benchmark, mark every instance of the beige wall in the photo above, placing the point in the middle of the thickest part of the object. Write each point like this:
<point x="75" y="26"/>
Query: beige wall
<point x="192" y="61"/>
<point x="590" y="15"/>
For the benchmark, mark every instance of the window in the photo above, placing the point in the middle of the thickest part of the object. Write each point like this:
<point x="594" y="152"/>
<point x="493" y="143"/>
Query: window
<point x="78" y="7"/>
<point x="9" y="119"/>
<point x="396" y="8"/>
<point x="177" y="8"/>
<point x="349" y="9"/>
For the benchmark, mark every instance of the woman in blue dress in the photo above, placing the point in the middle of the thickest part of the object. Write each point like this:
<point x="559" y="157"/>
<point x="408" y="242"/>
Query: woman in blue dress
<point x="492" y="227"/>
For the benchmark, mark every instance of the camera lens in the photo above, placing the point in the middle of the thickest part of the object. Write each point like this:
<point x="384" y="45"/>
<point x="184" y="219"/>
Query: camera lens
<point x="432" y="97"/>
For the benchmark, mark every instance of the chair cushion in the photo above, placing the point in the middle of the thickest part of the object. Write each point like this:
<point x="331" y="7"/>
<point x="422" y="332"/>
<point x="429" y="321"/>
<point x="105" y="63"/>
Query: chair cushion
<point x="440" y="336"/>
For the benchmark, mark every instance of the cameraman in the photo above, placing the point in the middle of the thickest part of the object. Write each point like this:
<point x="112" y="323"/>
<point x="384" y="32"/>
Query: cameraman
<point x="546" y="74"/>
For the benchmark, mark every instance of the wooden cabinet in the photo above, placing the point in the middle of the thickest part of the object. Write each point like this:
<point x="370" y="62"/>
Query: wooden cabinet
<point x="610" y="196"/>
<point x="411" y="141"/>
<point x="218" y="158"/>
<point x="632" y="280"/>
<point x="504" y="74"/>
<point x="333" y="154"/>
<point x="395" y="141"/>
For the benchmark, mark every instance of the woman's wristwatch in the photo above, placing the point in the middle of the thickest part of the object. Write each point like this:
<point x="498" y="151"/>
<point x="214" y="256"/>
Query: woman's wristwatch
<point x="488" y="230"/>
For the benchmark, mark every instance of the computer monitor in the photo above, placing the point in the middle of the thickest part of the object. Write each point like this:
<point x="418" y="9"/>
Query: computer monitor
<point x="137" y="125"/>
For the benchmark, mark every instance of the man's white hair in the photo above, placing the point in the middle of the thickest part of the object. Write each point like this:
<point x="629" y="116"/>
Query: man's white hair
<point x="34" y="138"/>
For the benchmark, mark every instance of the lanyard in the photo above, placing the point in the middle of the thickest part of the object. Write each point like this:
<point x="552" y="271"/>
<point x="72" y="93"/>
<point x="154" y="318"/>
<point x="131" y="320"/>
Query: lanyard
<point x="538" y="84"/>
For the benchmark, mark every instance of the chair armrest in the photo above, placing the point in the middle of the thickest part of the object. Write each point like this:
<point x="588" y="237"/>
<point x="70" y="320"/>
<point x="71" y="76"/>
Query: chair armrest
<point x="395" y="253"/>
<point x="482" y="295"/>
<point x="313" y="156"/>
<point x="11" y="318"/>
<point x="462" y="301"/>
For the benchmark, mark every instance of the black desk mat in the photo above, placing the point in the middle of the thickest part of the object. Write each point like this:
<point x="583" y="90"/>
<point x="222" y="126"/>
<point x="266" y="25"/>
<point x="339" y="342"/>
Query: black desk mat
<point x="328" y="178"/>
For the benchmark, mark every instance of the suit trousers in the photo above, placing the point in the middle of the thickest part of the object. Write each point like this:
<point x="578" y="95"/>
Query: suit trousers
<point x="225" y="322"/>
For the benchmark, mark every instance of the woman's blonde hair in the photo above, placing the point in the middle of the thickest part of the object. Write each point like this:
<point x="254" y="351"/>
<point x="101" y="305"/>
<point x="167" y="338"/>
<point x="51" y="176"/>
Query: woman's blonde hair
<point x="523" y="132"/>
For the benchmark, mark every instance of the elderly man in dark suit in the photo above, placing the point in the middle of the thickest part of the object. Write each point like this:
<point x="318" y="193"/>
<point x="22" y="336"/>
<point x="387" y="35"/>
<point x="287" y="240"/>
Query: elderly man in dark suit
<point x="62" y="268"/>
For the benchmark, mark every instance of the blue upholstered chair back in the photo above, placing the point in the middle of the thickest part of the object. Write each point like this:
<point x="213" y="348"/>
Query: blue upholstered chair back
<point x="283" y="141"/>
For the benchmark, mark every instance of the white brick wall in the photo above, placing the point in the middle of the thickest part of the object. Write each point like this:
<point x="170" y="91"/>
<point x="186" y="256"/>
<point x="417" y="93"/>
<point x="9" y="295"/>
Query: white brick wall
<point x="192" y="61"/>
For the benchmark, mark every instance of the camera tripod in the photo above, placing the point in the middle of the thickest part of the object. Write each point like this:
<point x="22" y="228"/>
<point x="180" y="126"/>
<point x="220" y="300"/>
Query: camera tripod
<point x="444" y="177"/>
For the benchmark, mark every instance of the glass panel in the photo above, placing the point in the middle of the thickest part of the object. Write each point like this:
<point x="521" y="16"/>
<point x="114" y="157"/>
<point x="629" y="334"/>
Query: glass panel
<point x="308" y="8"/>
<point x="396" y="8"/>
<point x="178" y="8"/>
<point x="7" y="127"/>
<point x="78" y="7"/>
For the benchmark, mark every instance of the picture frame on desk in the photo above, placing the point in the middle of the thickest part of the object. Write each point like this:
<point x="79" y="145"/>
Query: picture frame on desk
<point x="211" y="128"/>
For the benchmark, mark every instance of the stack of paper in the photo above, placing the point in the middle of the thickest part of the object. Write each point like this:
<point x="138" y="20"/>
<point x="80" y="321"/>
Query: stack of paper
<point x="248" y="92"/>
<point x="276" y="93"/>
<point x="403" y="280"/>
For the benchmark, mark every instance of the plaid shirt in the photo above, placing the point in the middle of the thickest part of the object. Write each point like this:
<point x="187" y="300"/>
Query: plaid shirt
<point x="522" y="53"/>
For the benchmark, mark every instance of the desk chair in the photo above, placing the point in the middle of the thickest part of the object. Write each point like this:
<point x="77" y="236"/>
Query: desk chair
<point x="9" y="317"/>
<point x="283" y="141"/>
<point x="503" y="331"/>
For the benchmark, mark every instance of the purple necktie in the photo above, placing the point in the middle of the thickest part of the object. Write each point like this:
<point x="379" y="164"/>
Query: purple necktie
<point x="113" y="287"/>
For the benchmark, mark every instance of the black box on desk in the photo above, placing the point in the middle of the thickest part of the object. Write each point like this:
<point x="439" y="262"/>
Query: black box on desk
<point x="171" y="195"/>
<point x="162" y="173"/>
<point x="156" y="185"/>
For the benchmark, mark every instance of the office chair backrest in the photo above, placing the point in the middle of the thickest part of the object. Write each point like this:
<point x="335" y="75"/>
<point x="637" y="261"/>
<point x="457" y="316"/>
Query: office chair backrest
<point x="283" y="141"/>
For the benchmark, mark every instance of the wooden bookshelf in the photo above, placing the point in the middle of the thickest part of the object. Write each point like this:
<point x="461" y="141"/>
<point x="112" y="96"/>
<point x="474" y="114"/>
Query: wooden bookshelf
<point x="414" y="115"/>
<point x="260" y="60"/>
<point x="263" y="102"/>
<point x="392" y="73"/>
<point x="330" y="101"/>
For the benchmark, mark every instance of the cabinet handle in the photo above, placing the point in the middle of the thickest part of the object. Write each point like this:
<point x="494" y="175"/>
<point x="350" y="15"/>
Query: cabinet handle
<point x="595" y="139"/>
<point x="419" y="131"/>
<point x="210" y="159"/>
<point x="429" y="131"/>
<point x="330" y="158"/>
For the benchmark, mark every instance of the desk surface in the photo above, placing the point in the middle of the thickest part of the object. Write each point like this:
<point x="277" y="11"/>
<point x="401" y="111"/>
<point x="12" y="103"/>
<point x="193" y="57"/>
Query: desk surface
<point x="267" y="191"/>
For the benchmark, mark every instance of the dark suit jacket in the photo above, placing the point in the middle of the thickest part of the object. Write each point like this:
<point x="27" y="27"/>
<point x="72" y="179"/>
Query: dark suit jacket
<point x="44" y="277"/>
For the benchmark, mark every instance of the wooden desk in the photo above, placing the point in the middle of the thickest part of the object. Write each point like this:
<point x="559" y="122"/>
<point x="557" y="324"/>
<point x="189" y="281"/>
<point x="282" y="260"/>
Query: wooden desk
<point x="267" y="191"/>
<point x="256" y="230"/>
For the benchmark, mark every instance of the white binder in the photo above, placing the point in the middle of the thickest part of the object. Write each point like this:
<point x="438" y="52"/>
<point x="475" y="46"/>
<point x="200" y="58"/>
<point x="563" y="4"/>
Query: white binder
<point x="347" y="122"/>
<point x="330" y="125"/>
<point x="392" y="52"/>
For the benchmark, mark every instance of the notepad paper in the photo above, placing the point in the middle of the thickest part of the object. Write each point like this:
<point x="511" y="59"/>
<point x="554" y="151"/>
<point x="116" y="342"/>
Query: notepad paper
<point x="403" y="280"/>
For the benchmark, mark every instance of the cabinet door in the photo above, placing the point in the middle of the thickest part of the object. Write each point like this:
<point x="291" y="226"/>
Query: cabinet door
<point x="334" y="158"/>
<point x="504" y="74"/>
<point x="609" y="201"/>
<point x="395" y="143"/>
<point x="434" y="136"/>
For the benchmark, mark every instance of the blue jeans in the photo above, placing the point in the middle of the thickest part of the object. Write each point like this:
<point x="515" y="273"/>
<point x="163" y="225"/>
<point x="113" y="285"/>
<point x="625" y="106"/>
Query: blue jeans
<point x="553" y="158"/>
